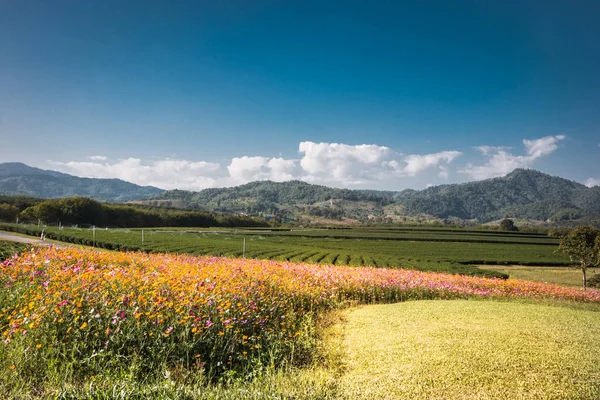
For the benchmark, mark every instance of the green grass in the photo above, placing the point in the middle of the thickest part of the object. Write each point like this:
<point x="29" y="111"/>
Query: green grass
<point x="8" y="249"/>
<point x="471" y="350"/>
<point x="415" y="350"/>
<point x="567" y="276"/>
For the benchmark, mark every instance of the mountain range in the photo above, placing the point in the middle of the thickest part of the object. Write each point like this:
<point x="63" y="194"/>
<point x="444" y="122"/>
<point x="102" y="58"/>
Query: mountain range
<point x="23" y="180"/>
<point x="524" y="194"/>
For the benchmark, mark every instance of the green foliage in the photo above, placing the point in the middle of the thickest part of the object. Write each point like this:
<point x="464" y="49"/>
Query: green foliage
<point x="326" y="212"/>
<point x="82" y="210"/>
<point x="558" y="233"/>
<point x="507" y="224"/>
<point x="21" y="202"/>
<point x="594" y="281"/>
<point x="286" y="199"/>
<point x="582" y="245"/>
<point x="8" y="212"/>
<point x="525" y="194"/>
<point x="8" y="249"/>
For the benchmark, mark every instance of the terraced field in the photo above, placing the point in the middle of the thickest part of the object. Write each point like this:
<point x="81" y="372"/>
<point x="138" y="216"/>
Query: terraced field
<point x="448" y="250"/>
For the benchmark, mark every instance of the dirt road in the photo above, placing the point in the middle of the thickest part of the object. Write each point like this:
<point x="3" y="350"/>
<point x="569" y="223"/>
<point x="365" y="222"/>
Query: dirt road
<point x="22" y="239"/>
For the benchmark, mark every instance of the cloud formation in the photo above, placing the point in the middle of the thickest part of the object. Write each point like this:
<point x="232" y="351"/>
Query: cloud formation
<point x="334" y="164"/>
<point x="341" y="163"/>
<point x="247" y="169"/>
<point x="338" y="164"/>
<point x="592" y="182"/>
<point x="500" y="162"/>
<point x="165" y="174"/>
<point x="418" y="163"/>
<point x="355" y="165"/>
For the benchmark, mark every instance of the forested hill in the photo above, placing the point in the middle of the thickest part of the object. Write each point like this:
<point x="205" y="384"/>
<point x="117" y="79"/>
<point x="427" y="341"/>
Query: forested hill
<point x="263" y="194"/>
<point x="23" y="180"/>
<point x="522" y="194"/>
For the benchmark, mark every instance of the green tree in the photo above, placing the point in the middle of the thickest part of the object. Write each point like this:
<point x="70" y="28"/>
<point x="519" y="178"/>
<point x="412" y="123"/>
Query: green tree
<point x="8" y="212"/>
<point x="507" y="224"/>
<point x="582" y="245"/>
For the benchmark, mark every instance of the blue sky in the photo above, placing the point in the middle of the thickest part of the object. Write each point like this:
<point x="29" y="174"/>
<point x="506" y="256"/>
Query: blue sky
<point x="370" y="94"/>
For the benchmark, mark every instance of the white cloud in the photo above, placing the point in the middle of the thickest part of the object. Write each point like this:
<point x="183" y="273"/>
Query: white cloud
<point x="485" y="150"/>
<point x="246" y="169"/>
<point x="443" y="172"/>
<point x="417" y="163"/>
<point x="541" y="147"/>
<point x="592" y="182"/>
<point x="165" y="174"/>
<point x="344" y="164"/>
<point x="336" y="164"/>
<point x="501" y="162"/>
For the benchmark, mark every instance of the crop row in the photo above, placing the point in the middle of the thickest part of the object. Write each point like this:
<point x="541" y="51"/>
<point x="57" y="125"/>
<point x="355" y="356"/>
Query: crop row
<point x="423" y="255"/>
<point x="443" y="236"/>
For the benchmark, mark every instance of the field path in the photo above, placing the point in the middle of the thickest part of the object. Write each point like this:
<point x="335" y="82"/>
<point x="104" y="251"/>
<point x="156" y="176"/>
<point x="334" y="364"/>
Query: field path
<point x="461" y="349"/>
<point x="29" y="240"/>
<point x="21" y="239"/>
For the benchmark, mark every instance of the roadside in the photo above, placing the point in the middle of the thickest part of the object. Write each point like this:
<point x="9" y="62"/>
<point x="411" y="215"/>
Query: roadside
<point x="19" y="238"/>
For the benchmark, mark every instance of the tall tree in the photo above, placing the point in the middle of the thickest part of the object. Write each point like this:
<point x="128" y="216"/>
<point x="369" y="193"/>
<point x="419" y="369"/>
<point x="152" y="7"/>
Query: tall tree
<point x="582" y="245"/>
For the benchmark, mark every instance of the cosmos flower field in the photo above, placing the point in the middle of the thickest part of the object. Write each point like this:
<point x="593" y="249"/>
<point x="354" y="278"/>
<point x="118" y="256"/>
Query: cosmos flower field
<point x="91" y="310"/>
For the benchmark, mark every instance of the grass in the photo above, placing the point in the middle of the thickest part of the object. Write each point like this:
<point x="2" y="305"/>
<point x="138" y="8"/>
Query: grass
<point x="567" y="276"/>
<point x="432" y="349"/>
<point x="317" y="381"/>
<point x="471" y="350"/>
<point x="8" y="249"/>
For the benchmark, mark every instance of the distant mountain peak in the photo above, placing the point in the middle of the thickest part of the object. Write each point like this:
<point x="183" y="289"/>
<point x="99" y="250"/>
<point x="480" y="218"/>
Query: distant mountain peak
<point x="21" y="179"/>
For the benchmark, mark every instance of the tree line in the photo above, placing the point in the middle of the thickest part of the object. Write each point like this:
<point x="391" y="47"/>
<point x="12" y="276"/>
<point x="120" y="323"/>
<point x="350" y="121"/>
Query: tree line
<point x="83" y="210"/>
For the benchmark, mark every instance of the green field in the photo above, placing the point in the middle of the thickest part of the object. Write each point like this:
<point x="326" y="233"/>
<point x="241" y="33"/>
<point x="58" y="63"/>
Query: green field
<point x="437" y="249"/>
<point x="556" y="275"/>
